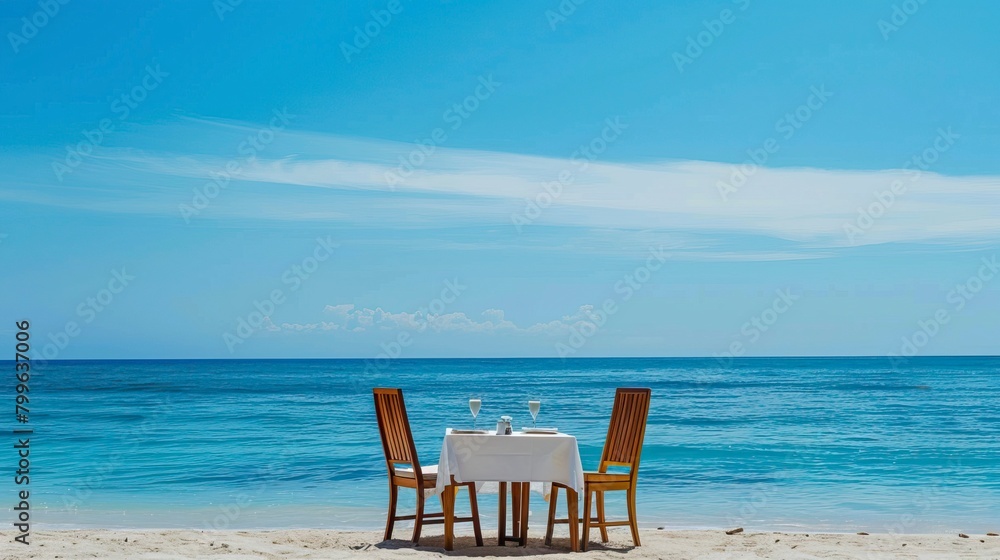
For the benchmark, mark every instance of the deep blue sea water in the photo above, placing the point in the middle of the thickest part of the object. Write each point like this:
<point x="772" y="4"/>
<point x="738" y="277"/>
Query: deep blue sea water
<point x="814" y="443"/>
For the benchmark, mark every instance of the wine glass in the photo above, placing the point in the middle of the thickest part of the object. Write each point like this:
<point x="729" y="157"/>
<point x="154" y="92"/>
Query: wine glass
<point x="533" y="406"/>
<point x="474" y="406"/>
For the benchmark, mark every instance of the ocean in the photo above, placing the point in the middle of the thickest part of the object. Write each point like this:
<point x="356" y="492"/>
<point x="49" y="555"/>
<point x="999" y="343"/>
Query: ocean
<point x="815" y="444"/>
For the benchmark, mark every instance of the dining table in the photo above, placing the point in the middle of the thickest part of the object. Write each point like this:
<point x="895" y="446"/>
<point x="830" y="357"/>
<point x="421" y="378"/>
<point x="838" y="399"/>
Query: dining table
<point x="517" y="459"/>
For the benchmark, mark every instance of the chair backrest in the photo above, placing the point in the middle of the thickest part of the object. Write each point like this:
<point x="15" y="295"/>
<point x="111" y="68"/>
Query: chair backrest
<point x="626" y="430"/>
<point x="394" y="428"/>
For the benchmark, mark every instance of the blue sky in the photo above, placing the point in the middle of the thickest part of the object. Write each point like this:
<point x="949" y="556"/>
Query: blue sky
<point x="317" y="179"/>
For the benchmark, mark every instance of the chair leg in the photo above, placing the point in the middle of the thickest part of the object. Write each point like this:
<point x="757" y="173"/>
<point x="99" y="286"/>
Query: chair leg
<point x="573" y="507"/>
<point x="632" y="521"/>
<point x="600" y="516"/>
<point x="391" y="521"/>
<point x="586" y="517"/>
<point x="418" y="522"/>
<point x="449" y="516"/>
<point x="474" y="504"/>
<point x="553" y="498"/>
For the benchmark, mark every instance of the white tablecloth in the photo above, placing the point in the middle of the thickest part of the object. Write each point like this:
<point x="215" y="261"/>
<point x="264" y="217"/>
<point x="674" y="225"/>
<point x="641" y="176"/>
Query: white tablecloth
<point x="515" y="458"/>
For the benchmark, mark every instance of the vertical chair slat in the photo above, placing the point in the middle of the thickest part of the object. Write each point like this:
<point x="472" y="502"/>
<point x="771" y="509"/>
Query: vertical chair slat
<point x="396" y="438"/>
<point x="612" y="442"/>
<point x="628" y="430"/>
<point x="628" y="450"/>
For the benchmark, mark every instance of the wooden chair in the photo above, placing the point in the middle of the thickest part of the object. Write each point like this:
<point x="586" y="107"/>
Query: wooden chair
<point x="397" y="443"/>
<point x="622" y="448"/>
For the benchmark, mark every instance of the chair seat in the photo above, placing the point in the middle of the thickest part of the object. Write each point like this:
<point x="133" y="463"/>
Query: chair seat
<point x="429" y="472"/>
<point x="593" y="476"/>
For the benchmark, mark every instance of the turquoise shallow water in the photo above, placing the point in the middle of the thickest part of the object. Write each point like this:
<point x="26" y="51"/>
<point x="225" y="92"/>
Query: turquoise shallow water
<point x="820" y="444"/>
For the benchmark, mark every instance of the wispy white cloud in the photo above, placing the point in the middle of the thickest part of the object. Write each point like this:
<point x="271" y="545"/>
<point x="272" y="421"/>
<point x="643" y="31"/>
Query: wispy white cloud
<point x="803" y="205"/>
<point x="347" y="317"/>
<point x="777" y="213"/>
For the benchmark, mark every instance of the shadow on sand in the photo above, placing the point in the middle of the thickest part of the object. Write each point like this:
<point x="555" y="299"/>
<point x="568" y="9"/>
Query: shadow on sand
<point x="466" y="546"/>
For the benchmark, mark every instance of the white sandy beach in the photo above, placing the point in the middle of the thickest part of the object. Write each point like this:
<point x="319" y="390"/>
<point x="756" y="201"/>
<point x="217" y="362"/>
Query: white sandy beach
<point x="119" y="544"/>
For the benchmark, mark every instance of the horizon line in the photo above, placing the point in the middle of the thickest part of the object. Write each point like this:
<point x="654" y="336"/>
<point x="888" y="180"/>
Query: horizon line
<point x="787" y="357"/>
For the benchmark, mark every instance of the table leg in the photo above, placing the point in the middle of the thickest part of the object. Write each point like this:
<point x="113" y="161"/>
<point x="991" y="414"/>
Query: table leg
<point x="523" y="535"/>
<point x="519" y="497"/>
<point x="515" y="510"/>
<point x="448" y="501"/>
<point x="502" y="514"/>
<point x="574" y="519"/>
